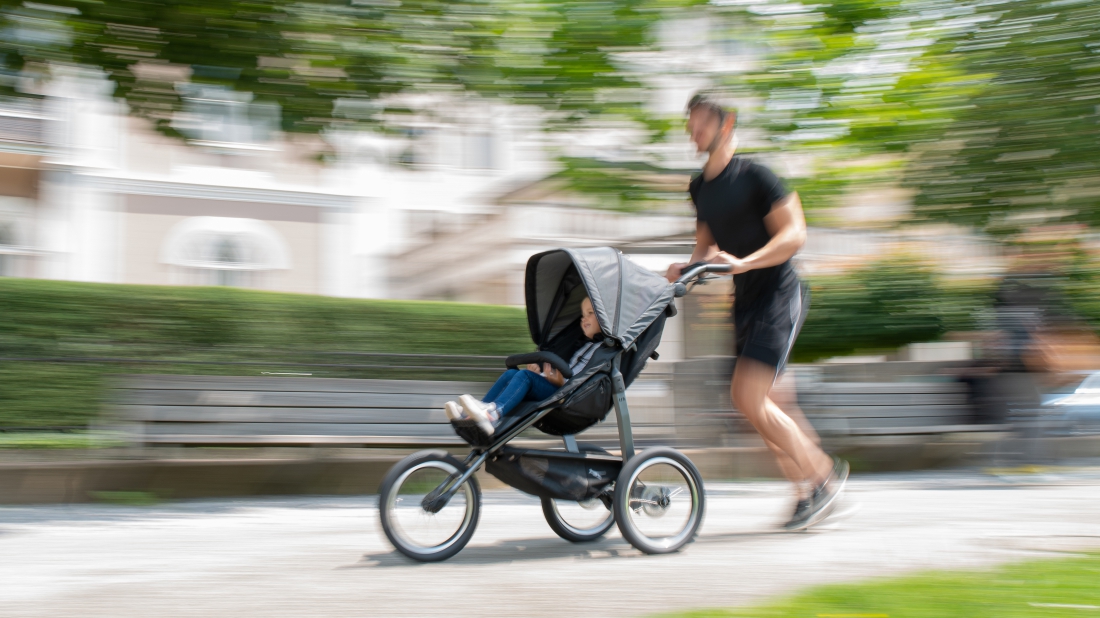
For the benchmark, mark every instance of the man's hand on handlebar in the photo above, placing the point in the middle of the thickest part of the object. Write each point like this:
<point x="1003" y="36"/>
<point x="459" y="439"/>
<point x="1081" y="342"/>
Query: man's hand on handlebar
<point x="722" y="263"/>
<point x="674" y="271"/>
<point x="737" y="265"/>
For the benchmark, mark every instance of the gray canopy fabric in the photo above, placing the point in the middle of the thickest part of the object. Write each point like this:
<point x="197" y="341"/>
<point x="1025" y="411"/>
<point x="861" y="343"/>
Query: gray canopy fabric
<point x="625" y="296"/>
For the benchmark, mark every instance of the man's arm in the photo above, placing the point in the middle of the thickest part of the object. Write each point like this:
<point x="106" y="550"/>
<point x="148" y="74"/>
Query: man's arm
<point x="705" y="250"/>
<point x="787" y="225"/>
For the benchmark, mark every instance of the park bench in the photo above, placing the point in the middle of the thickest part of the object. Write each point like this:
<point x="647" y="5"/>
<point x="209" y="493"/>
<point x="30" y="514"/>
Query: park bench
<point x="893" y="404"/>
<point x="289" y="411"/>
<point x="285" y="411"/>
<point x="889" y="408"/>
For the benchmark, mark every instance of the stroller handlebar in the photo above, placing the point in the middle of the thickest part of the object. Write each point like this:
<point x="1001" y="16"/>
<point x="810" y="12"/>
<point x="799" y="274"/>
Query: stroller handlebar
<point x="693" y="271"/>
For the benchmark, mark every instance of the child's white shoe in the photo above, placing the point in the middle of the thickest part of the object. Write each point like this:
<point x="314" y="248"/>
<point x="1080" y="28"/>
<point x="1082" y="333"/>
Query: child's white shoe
<point x="454" y="412"/>
<point x="479" y="411"/>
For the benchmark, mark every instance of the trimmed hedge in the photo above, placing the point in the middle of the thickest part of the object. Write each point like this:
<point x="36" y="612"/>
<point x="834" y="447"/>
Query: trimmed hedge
<point x="191" y="330"/>
<point x="887" y="305"/>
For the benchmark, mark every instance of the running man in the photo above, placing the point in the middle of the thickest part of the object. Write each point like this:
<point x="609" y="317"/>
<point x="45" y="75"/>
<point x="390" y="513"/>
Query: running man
<point x="747" y="219"/>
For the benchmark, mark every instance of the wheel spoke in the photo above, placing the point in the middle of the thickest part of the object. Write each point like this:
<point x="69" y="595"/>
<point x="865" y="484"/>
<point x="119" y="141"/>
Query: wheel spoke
<point x="664" y="506"/>
<point x="415" y="528"/>
<point x="582" y="518"/>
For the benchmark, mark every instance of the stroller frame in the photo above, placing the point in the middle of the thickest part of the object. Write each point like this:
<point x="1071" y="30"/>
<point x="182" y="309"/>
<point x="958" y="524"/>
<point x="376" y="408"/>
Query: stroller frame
<point x="479" y="454"/>
<point x="632" y="494"/>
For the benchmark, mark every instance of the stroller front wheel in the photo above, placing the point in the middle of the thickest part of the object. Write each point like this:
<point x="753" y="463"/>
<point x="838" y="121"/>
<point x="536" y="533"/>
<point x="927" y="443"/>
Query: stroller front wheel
<point x="424" y="529"/>
<point x="659" y="501"/>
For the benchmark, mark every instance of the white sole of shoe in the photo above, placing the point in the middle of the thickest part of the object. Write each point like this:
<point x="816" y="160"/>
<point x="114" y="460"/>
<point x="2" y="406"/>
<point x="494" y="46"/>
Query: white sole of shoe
<point x="477" y="412"/>
<point x="827" y="510"/>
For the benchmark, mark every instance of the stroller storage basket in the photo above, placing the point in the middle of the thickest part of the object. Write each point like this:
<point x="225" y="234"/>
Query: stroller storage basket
<point x="555" y="474"/>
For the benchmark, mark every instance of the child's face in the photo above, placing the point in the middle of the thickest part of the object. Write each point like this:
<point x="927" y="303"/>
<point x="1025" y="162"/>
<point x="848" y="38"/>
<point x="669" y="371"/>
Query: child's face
<point x="588" y="319"/>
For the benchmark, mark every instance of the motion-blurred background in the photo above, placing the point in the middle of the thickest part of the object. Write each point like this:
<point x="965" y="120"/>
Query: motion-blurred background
<point x="945" y="152"/>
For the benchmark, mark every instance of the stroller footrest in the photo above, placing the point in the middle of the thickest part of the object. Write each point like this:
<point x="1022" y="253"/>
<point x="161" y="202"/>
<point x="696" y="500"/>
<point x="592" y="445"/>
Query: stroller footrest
<point x="469" y="431"/>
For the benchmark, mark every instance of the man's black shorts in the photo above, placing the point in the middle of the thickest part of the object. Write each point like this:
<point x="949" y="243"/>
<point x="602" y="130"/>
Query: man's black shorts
<point x="766" y="329"/>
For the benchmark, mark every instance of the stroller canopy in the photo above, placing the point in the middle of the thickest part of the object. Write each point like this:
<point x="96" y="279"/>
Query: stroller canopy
<point x="626" y="297"/>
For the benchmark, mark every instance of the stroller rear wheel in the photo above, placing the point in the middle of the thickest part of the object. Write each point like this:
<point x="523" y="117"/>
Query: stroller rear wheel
<point x="584" y="521"/>
<point x="659" y="501"/>
<point x="578" y="522"/>
<point x="424" y="529"/>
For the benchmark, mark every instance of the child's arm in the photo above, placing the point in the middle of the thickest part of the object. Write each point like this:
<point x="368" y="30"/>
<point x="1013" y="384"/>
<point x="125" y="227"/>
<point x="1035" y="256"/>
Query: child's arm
<point x="552" y="375"/>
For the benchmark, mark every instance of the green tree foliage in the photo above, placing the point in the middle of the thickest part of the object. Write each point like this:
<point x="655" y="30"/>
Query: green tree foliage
<point x="988" y="110"/>
<point x="308" y="56"/>
<point x="1024" y="148"/>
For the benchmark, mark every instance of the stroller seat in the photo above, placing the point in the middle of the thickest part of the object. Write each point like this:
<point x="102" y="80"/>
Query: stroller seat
<point x="631" y="328"/>
<point x="583" y="401"/>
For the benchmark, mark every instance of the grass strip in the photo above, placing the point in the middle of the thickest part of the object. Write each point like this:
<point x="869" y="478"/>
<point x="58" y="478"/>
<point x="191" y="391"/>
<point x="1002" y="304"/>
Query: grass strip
<point x="1039" y="588"/>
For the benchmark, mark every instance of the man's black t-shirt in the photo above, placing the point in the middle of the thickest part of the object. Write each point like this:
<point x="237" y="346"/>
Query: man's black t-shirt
<point x="733" y="205"/>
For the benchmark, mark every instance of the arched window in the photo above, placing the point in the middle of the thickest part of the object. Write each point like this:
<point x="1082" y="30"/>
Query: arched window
<point x="15" y="252"/>
<point x="7" y="244"/>
<point x="224" y="251"/>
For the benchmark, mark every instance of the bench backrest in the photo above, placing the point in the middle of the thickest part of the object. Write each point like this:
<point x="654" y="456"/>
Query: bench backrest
<point x="283" y="411"/>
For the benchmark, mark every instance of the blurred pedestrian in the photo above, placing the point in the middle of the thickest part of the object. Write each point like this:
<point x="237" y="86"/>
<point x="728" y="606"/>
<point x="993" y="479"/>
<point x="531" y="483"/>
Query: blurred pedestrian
<point x="1034" y="342"/>
<point x="746" y="218"/>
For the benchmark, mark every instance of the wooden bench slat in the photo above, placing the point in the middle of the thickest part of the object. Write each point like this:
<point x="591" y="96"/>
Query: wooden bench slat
<point x="930" y="429"/>
<point x="885" y="387"/>
<point x="261" y="399"/>
<point x="305" y="440"/>
<point x="905" y="421"/>
<point x="291" y="384"/>
<point x="888" y="411"/>
<point x="208" y="414"/>
<point x="299" y="429"/>
<point x="881" y="399"/>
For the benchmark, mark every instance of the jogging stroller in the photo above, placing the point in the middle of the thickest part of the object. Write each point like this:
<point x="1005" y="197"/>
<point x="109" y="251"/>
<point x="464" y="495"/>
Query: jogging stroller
<point x="430" y="502"/>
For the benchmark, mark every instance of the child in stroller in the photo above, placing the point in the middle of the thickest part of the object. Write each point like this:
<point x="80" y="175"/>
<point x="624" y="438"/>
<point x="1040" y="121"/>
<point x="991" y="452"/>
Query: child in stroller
<point x="534" y="383"/>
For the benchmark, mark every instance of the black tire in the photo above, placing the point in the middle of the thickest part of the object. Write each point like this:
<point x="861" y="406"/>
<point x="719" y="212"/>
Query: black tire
<point x="438" y="464"/>
<point x="577" y="532"/>
<point x="636" y="499"/>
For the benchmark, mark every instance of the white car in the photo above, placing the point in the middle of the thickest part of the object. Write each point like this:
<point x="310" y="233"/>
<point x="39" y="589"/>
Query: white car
<point x="1078" y="408"/>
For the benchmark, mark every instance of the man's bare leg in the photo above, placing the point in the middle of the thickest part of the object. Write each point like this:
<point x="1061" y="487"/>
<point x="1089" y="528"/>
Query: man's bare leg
<point x="784" y="394"/>
<point x="787" y="465"/>
<point x="752" y="382"/>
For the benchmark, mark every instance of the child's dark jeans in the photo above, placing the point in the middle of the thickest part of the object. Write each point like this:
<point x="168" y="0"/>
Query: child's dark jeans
<point x="516" y="385"/>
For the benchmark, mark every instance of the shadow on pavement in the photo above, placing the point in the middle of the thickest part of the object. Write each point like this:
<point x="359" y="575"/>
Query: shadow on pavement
<point x="530" y="550"/>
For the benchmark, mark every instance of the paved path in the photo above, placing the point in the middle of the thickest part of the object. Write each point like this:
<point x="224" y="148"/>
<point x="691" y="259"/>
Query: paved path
<point x="327" y="557"/>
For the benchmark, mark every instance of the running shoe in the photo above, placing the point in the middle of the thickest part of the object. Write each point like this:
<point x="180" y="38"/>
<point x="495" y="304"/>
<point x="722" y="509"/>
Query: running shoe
<point x="801" y="517"/>
<point x="825" y="495"/>
<point x="453" y="410"/>
<point x="479" y="411"/>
